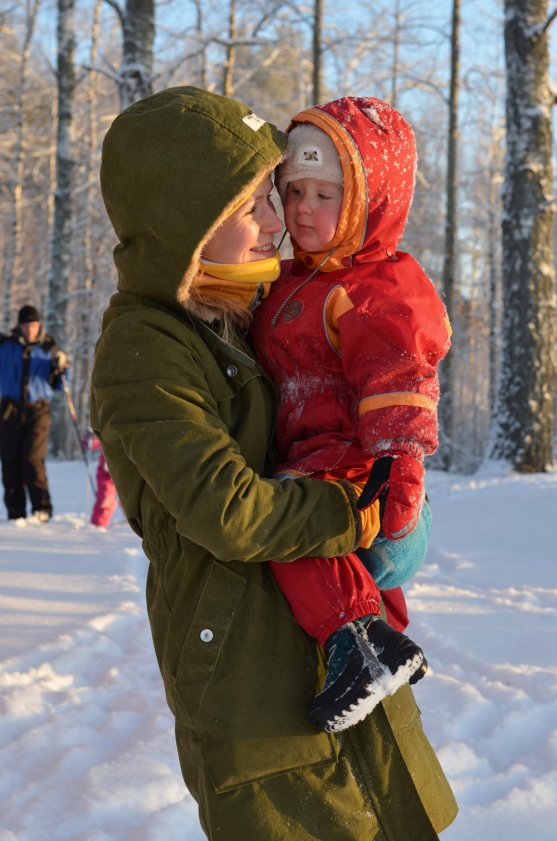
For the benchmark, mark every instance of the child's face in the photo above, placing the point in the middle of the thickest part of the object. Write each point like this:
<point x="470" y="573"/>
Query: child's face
<point x="311" y="211"/>
<point x="248" y="233"/>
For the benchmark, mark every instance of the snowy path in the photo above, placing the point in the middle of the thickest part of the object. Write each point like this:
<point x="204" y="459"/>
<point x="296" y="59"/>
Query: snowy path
<point x="486" y="608"/>
<point x="86" y="742"/>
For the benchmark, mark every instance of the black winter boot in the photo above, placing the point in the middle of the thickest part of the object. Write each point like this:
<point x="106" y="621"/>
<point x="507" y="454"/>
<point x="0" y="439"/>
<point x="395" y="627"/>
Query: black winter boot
<point x="368" y="660"/>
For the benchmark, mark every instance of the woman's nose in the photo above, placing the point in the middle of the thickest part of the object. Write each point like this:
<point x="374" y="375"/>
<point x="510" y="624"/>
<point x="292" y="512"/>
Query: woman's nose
<point x="272" y="223"/>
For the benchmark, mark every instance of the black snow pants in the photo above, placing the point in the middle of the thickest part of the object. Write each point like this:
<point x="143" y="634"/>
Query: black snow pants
<point x="23" y="445"/>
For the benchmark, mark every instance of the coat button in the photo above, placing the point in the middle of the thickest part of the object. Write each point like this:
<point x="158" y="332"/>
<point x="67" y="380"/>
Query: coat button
<point x="206" y="635"/>
<point x="231" y="371"/>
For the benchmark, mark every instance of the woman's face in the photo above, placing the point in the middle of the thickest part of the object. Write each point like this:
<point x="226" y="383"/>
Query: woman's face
<point x="248" y="234"/>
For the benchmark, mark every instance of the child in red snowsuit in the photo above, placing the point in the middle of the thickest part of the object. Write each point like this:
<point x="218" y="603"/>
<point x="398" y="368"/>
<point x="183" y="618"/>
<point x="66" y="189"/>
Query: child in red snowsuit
<point x="351" y="335"/>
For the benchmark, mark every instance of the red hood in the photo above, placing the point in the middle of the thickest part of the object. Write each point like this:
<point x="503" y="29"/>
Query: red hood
<point x="377" y="151"/>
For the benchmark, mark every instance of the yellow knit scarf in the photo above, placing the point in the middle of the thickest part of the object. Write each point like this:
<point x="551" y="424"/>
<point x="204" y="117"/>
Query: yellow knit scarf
<point x="244" y="283"/>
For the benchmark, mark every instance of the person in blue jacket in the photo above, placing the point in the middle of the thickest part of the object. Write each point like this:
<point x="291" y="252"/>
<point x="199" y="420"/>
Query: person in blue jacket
<point x="31" y="368"/>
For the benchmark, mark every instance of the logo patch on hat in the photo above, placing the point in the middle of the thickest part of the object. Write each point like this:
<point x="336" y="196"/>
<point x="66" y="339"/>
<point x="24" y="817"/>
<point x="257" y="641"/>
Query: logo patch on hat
<point x="253" y="121"/>
<point x="310" y="156"/>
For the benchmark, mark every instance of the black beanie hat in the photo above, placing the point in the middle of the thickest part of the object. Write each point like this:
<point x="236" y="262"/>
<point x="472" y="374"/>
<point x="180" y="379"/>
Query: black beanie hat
<point x="27" y="314"/>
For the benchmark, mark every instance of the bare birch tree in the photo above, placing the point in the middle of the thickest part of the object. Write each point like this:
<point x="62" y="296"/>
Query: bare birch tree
<point x="446" y="408"/>
<point x="202" y="58"/>
<point x="526" y="403"/>
<point x="12" y="264"/>
<point x="63" y="210"/>
<point x="396" y="37"/>
<point x="317" y="50"/>
<point x="228" y="69"/>
<point x="62" y="234"/>
<point x="492" y="155"/>
<point x="85" y="269"/>
<point x="135" y="76"/>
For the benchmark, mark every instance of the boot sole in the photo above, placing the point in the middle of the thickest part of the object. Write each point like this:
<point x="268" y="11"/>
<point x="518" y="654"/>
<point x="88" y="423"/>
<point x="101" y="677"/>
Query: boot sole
<point x="387" y="685"/>
<point x="364" y="690"/>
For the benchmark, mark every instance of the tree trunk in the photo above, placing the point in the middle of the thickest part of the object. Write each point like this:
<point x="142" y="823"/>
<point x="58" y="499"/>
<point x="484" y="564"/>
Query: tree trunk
<point x="446" y="406"/>
<point x="526" y="404"/>
<point x="202" y="65"/>
<point x="396" y="52"/>
<point x="317" y="50"/>
<point x="228" y="70"/>
<point x="63" y="209"/>
<point x="136" y="73"/>
<point x="494" y="268"/>
<point x="12" y="265"/>
<point x="85" y="272"/>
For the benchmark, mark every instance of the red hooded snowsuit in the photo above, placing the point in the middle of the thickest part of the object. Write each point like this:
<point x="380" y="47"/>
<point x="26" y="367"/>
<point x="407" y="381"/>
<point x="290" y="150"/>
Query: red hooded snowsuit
<point x="353" y="348"/>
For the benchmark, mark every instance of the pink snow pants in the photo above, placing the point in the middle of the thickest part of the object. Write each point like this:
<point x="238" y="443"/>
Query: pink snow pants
<point x="106" y="500"/>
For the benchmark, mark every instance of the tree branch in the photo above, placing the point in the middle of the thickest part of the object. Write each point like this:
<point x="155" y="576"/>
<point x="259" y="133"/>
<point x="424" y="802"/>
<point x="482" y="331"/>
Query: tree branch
<point x="170" y="69"/>
<point x="269" y="15"/>
<point x="240" y="42"/>
<point x="118" y="9"/>
<point x="549" y="21"/>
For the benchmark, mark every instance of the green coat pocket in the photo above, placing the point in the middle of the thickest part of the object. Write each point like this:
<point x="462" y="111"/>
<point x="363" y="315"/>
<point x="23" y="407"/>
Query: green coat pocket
<point x="250" y="718"/>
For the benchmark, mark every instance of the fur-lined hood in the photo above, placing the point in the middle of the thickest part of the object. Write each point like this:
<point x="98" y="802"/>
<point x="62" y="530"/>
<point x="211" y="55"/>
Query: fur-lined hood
<point x="173" y="165"/>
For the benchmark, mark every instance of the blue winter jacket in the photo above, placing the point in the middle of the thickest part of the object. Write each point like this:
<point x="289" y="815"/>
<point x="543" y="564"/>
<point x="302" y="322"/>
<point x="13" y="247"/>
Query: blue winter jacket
<point x="32" y="382"/>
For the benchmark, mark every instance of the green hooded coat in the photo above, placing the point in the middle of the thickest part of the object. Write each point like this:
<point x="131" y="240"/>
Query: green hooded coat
<point x="185" y="421"/>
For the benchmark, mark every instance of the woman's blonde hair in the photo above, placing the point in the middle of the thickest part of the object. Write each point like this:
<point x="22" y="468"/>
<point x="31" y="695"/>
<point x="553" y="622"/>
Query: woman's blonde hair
<point x="229" y="319"/>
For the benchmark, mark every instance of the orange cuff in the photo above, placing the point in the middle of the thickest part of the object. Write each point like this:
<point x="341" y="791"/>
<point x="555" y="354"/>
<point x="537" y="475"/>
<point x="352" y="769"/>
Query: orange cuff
<point x="371" y="520"/>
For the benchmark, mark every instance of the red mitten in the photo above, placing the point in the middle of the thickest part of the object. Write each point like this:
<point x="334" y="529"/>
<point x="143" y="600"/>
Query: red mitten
<point x="400" y="479"/>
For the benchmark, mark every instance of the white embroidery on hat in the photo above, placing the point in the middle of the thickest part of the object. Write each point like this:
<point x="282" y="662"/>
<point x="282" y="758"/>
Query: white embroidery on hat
<point x="253" y="121"/>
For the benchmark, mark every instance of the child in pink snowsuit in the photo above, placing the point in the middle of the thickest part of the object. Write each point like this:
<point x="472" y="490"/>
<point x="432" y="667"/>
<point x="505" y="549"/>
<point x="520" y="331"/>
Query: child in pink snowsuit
<point x="106" y="500"/>
<point x="351" y="334"/>
<point x="106" y="497"/>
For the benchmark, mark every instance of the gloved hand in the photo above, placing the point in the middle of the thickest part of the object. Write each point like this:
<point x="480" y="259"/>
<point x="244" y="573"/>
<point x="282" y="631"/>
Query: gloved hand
<point x="397" y="479"/>
<point x="90" y="441"/>
<point x="61" y="361"/>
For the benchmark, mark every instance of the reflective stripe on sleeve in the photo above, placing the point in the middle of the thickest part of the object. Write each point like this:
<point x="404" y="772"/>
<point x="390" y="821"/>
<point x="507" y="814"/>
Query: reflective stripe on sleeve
<point x="399" y="398"/>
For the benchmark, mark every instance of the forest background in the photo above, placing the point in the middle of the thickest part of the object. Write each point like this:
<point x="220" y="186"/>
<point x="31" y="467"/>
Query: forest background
<point x="473" y="77"/>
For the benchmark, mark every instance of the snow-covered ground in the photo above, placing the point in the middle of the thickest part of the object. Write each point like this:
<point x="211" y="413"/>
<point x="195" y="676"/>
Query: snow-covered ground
<point x="86" y="740"/>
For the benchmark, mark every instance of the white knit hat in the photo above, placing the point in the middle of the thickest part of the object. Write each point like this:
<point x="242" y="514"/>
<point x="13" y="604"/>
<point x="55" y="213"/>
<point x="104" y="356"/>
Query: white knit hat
<point x="310" y="154"/>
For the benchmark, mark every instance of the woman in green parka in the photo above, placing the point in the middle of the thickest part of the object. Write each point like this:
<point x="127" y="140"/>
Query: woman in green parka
<point x="185" y="418"/>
